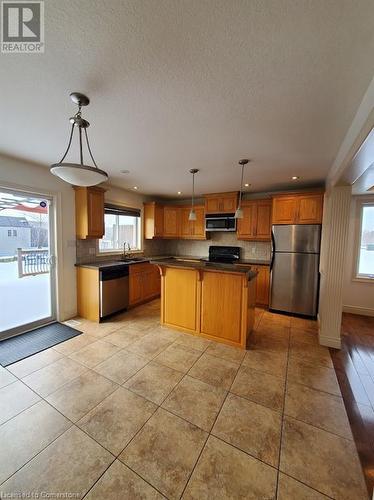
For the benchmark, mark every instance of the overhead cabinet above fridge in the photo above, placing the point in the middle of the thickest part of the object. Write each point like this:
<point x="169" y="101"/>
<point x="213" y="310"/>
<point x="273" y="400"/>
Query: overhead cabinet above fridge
<point x="300" y="208"/>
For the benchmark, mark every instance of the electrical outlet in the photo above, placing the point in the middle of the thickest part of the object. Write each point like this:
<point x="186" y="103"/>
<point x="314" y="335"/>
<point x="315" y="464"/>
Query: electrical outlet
<point x="253" y="250"/>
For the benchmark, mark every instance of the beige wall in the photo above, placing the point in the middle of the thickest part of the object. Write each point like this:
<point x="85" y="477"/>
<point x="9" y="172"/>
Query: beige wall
<point x="18" y="174"/>
<point x="358" y="297"/>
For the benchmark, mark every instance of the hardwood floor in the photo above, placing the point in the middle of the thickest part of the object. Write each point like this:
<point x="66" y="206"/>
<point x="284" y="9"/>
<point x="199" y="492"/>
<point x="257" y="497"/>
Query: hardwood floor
<point x="354" y="366"/>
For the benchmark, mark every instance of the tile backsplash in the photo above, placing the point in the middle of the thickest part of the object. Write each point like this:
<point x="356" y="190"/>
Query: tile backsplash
<point x="250" y="249"/>
<point x="86" y="249"/>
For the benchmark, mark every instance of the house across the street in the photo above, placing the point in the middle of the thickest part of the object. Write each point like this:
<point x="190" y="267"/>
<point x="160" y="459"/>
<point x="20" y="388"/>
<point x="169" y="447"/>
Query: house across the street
<point x="15" y="232"/>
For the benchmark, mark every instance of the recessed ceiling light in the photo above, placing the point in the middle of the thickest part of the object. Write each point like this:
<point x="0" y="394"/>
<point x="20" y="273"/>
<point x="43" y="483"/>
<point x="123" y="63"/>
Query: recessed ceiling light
<point x="179" y="192"/>
<point x="295" y="177"/>
<point x="246" y="184"/>
<point x="135" y="187"/>
<point x="124" y="171"/>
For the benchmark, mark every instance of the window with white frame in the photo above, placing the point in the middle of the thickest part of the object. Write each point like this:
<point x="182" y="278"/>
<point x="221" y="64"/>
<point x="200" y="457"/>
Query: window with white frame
<point x="365" y="255"/>
<point x="122" y="227"/>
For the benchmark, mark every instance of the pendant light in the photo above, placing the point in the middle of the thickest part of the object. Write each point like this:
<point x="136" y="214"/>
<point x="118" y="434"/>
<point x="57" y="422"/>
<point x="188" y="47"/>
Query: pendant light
<point x="192" y="215"/>
<point x="79" y="174"/>
<point x="239" y="211"/>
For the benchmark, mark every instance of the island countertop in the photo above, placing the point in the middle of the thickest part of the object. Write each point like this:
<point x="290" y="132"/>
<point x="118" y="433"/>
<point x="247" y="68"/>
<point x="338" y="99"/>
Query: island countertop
<point x="206" y="266"/>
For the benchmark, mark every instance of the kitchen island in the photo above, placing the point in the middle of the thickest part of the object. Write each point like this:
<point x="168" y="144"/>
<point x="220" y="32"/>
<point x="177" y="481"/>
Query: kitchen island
<point x="212" y="300"/>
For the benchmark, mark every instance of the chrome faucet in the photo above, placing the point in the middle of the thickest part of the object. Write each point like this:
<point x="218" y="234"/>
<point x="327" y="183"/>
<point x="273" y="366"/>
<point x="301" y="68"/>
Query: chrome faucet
<point x="124" y="249"/>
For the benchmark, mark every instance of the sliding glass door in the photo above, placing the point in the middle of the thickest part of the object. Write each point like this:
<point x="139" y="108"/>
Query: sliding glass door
<point x="27" y="270"/>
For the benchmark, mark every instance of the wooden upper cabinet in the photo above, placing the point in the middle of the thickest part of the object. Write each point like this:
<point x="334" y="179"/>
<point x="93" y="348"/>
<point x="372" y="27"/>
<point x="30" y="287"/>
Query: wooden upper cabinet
<point x="246" y="227"/>
<point x="194" y="230"/>
<point x="221" y="203"/>
<point x="153" y="220"/>
<point x="171" y="222"/>
<point x="89" y="212"/>
<point x="310" y="209"/>
<point x="298" y="209"/>
<point x="263" y="226"/>
<point x="186" y="226"/>
<point x="256" y="221"/>
<point x="198" y="226"/>
<point x="230" y="203"/>
<point x="212" y="205"/>
<point x="284" y="210"/>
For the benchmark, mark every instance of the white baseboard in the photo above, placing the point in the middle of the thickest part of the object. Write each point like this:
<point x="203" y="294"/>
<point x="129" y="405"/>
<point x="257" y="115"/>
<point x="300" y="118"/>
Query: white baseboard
<point x="327" y="341"/>
<point x="330" y="341"/>
<point x="363" y="311"/>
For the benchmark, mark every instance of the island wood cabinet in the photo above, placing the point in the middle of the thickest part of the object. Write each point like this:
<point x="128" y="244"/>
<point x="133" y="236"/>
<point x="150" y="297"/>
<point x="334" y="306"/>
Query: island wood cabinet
<point x="212" y="304"/>
<point x="256" y="222"/>
<point x="305" y="208"/>
<point x="89" y="212"/>
<point x="171" y="222"/>
<point x="221" y="203"/>
<point x="144" y="283"/>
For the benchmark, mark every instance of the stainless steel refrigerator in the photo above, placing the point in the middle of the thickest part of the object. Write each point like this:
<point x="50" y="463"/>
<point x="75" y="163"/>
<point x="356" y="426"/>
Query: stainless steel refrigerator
<point x="294" y="268"/>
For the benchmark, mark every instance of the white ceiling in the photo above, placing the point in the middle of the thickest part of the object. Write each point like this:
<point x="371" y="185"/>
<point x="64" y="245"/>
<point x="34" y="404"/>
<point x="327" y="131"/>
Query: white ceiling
<point x="187" y="84"/>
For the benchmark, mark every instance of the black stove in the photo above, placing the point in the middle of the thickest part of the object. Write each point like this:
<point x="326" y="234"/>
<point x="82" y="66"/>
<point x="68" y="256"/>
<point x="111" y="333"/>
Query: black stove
<point x="224" y="255"/>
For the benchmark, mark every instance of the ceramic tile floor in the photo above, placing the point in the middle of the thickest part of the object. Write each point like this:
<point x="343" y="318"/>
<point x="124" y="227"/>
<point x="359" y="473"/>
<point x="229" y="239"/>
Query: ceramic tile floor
<point x="130" y="410"/>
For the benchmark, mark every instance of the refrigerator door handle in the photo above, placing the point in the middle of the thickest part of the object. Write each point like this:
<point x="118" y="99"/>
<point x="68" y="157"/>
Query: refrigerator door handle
<point x="272" y="250"/>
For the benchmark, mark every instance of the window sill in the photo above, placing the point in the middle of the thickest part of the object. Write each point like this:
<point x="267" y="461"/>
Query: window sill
<point x="363" y="279"/>
<point x="118" y="252"/>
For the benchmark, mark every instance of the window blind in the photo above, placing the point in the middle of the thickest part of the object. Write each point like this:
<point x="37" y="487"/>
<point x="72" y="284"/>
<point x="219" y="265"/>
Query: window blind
<point x="117" y="210"/>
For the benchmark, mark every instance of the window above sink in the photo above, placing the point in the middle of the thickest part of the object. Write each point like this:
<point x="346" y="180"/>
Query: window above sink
<point x="122" y="225"/>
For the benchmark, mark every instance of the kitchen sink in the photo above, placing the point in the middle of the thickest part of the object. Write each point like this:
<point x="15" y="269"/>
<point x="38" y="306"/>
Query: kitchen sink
<point x="133" y="259"/>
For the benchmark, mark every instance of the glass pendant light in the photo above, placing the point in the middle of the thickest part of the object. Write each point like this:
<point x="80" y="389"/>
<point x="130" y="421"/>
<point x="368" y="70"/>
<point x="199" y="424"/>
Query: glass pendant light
<point x="192" y="215"/>
<point x="79" y="174"/>
<point x="239" y="211"/>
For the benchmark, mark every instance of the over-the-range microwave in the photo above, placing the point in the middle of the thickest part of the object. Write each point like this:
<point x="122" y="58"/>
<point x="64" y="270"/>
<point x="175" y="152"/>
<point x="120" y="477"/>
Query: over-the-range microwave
<point x="220" y="222"/>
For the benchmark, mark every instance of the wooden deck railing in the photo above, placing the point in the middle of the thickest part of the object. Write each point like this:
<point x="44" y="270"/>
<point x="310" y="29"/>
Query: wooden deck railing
<point x="32" y="262"/>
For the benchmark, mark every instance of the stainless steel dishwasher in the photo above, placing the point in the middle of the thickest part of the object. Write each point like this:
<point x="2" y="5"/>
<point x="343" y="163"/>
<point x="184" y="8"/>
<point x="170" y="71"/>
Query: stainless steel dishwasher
<point x="114" y="290"/>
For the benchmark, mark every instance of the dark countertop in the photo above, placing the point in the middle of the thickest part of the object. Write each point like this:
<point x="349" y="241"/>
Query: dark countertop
<point x="255" y="262"/>
<point x="206" y="266"/>
<point x="107" y="264"/>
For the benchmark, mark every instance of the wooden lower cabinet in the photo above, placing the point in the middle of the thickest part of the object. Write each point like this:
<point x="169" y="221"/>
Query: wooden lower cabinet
<point x="88" y="293"/>
<point x="145" y="283"/>
<point x="262" y="285"/>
